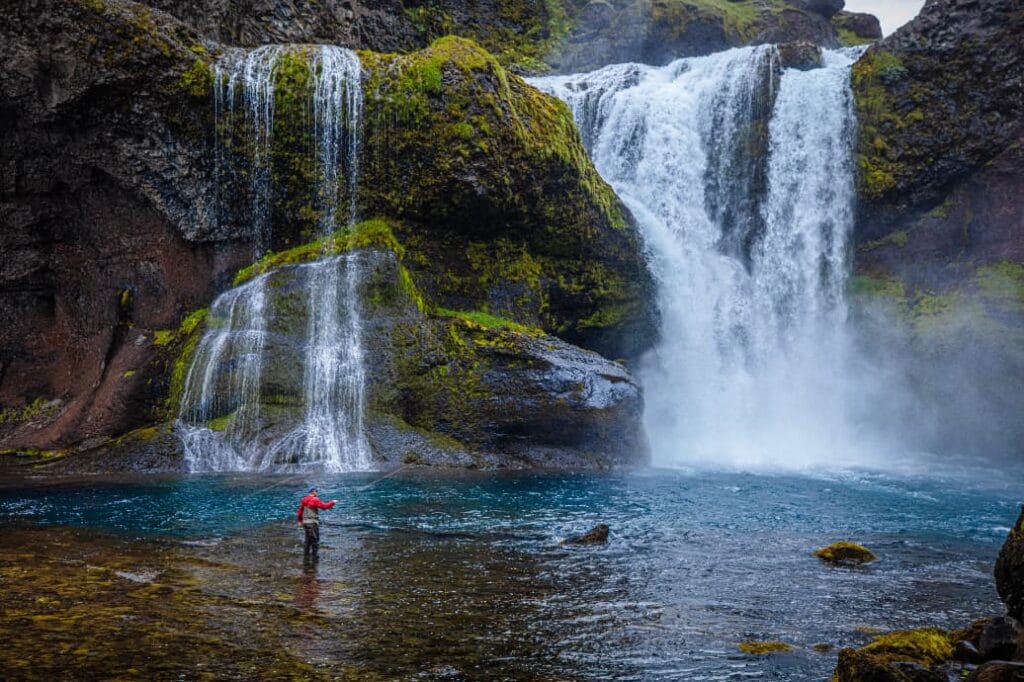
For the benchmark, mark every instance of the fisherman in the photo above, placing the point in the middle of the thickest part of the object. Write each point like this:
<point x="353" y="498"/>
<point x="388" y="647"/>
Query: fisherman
<point x="310" y="521"/>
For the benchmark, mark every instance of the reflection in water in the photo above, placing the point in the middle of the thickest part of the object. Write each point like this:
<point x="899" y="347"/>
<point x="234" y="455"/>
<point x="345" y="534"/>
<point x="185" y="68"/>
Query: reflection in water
<point x="465" y="578"/>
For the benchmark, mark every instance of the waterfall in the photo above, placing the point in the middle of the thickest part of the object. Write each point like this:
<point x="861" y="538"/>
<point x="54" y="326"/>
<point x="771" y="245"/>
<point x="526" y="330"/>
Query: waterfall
<point x="740" y="176"/>
<point x="222" y="422"/>
<point x="334" y="371"/>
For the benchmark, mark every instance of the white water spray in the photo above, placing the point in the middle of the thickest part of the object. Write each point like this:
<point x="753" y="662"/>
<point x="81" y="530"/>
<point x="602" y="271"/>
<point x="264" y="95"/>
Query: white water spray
<point x="750" y="260"/>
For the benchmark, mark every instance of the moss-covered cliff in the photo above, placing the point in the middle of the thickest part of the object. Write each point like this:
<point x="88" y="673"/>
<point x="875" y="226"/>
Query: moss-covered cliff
<point x="119" y="237"/>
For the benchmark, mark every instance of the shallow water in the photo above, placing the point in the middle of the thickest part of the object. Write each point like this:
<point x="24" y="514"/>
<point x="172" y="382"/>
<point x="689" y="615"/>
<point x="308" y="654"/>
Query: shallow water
<point x="463" y="576"/>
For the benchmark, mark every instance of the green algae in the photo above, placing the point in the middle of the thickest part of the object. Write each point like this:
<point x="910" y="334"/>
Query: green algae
<point x="926" y="646"/>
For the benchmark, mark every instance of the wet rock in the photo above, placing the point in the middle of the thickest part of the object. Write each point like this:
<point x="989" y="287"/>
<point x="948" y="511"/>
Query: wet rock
<point x="967" y="651"/>
<point x="826" y="8"/>
<point x="845" y="553"/>
<point x="1009" y="570"/>
<point x="596" y="535"/>
<point x="919" y="655"/>
<point x="998" y="639"/>
<point x="800" y="55"/>
<point x="863" y="27"/>
<point x="998" y="671"/>
<point x="763" y="648"/>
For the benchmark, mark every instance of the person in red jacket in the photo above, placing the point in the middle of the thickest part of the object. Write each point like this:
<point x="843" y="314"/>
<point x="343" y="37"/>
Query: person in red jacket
<point x="309" y="520"/>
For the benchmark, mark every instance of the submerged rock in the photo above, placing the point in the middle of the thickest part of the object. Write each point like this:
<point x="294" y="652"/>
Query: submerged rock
<point x="596" y="535"/>
<point x="763" y="648"/>
<point x="845" y="553"/>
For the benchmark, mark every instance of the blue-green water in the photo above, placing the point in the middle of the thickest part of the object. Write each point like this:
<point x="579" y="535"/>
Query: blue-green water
<point x="466" y="571"/>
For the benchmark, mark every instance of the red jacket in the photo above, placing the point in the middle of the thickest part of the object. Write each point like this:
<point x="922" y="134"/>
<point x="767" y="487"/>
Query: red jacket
<point x="313" y="501"/>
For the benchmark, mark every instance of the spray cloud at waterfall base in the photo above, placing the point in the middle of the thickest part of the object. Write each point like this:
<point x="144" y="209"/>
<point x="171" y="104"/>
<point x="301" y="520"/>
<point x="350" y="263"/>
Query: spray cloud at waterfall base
<point x="740" y="174"/>
<point x="226" y="423"/>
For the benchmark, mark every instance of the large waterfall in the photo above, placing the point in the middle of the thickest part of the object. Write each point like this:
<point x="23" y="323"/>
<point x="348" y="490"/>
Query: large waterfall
<point x="740" y="174"/>
<point x="222" y="422"/>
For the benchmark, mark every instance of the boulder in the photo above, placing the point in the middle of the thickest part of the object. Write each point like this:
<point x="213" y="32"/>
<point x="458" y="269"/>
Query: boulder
<point x="800" y="55"/>
<point x="845" y="553"/>
<point x="999" y="638"/>
<point x="905" y="656"/>
<point x="856" y="28"/>
<point x="826" y="8"/>
<point x="596" y="535"/>
<point x="998" y="671"/>
<point x="1009" y="570"/>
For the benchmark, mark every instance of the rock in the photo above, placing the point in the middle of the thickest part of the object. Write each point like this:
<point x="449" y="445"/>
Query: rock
<point x="596" y="535"/>
<point x="826" y="8"/>
<point x="855" y="28"/>
<point x="443" y="388"/>
<point x="800" y="55"/>
<point x="1009" y="570"/>
<point x="999" y="637"/>
<point x="845" y="553"/>
<point x="968" y="652"/>
<point x="759" y="648"/>
<point x="909" y="655"/>
<point x="998" y="671"/>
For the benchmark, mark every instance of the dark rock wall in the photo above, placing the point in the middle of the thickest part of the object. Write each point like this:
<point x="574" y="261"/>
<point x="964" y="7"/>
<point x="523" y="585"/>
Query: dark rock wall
<point x="103" y="186"/>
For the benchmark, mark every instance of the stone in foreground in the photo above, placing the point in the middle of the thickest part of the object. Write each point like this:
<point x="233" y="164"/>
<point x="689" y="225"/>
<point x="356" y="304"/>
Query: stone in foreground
<point x="596" y="535"/>
<point x="845" y="553"/>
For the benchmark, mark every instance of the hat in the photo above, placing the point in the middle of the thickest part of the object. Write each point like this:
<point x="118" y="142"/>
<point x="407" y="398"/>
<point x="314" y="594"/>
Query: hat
<point x="313" y="489"/>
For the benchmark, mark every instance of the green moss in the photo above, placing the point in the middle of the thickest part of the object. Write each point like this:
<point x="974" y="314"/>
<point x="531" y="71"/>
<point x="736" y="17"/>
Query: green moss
<point x="485" y="320"/>
<point x="848" y="38"/>
<point x="942" y="210"/>
<point x="1002" y="285"/>
<point x="129" y="374"/>
<point x="181" y="349"/>
<point x="36" y="410"/>
<point x="221" y="423"/>
<point x="845" y="553"/>
<point x="883" y="287"/>
<point x="197" y="80"/>
<point x="872" y="77"/>
<point x="762" y="648"/>
<point x="926" y="646"/>
<point x="374" y="232"/>
<point x="161" y="337"/>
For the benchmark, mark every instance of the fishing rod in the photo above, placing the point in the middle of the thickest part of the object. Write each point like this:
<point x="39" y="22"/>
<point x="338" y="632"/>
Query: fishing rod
<point x="288" y="479"/>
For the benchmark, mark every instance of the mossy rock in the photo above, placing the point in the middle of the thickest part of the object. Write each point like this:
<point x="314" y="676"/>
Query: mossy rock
<point x="896" y="656"/>
<point x="763" y="648"/>
<point x="496" y="201"/>
<point x="845" y="553"/>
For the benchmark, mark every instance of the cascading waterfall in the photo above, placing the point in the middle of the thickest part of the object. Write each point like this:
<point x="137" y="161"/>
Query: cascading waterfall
<point x="224" y="380"/>
<point x="334" y="371"/>
<point x="740" y="175"/>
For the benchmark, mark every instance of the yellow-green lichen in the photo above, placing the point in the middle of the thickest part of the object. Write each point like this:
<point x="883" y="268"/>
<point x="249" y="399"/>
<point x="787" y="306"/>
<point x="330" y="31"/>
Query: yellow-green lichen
<point x="38" y="409"/>
<point x="197" y="80"/>
<point x="763" y="648"/>
<point x="926" y="646"/>
<point x="845" y="553"/>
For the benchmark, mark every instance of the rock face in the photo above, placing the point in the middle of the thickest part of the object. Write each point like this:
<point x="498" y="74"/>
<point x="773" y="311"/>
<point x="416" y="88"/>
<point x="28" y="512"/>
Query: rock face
<point x="114" y="235"/>
<point x="856" y="28"/>
<point x="530" y="35"/>
<point x="940" y="229"/>
<point x="105" y="203"/>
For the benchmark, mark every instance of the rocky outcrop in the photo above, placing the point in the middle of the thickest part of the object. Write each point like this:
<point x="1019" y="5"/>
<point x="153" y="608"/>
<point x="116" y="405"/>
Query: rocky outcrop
<point x="527" y="35"/>
<point x="117" y="241"/>
<point x="940" y="226"/>
<point x="595" y="536"/>
<point x="443" y="387"/>
<point x="936" y="101"/>
<point x="845" y="553"/>
<point x="1009" y="570"/>
<point x="856" y="28"/>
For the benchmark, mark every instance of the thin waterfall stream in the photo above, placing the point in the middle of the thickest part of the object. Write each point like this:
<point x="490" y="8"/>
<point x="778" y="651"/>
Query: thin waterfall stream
<point x="223" y="416"/>
<point x="740" y="175"/>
